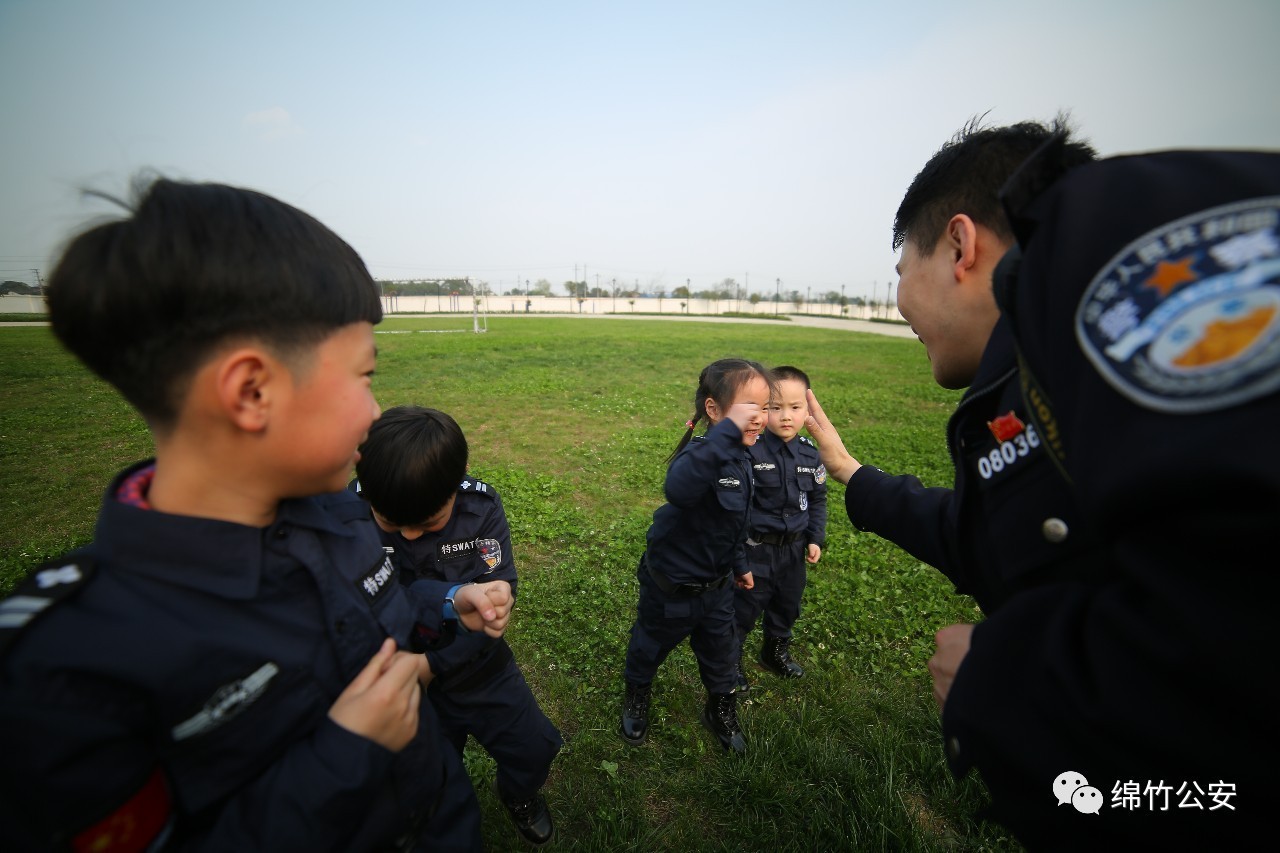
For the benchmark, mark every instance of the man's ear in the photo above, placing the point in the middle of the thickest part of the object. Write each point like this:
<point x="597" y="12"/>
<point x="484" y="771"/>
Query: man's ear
<point x="247" y="378"/>
<point x="962" y="242"/>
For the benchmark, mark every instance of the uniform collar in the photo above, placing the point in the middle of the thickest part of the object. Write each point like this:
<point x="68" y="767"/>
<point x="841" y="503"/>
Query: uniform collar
<point x="218" y="557"/>
<point x="997" y="358"/>
<point x="774" y="443"/>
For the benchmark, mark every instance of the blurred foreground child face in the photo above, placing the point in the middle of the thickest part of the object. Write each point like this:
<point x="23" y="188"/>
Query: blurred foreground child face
<point x="323" y="411"/>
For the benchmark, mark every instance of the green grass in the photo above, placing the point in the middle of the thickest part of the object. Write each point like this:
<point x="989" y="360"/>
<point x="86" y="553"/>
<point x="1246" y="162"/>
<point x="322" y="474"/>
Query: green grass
<point x="571" y="419"/>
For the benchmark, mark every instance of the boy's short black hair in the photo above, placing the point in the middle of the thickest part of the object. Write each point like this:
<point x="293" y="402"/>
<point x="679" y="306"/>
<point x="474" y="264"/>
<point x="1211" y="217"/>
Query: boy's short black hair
<point x="786" y="371"/>
<point x="144" y="300"/>
<point x="412" y="461"/>
<point x="966" y="174"/>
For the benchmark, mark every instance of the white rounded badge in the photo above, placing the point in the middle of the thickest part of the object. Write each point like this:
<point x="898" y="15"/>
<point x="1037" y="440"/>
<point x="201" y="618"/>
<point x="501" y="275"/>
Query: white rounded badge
<point x="1186" y="318"/>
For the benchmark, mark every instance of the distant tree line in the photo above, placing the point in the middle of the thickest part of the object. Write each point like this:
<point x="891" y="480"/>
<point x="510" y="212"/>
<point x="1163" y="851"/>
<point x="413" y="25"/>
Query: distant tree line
<point x="20" y="288"/>
<point x="725" y="290"/>
<point x="430" y="287"/>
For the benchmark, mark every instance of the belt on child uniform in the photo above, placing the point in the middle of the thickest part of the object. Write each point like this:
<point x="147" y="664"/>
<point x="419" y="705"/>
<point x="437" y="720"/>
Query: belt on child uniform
<point x="772" y="538"/>
<point x="684" y="589"/>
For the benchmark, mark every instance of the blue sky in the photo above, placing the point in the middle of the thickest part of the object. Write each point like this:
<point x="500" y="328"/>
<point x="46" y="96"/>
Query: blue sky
<point x="651" y="142"/>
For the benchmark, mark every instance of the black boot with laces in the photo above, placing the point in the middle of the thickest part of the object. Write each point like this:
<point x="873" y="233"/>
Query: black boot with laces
<point x="776" y="657"/>
<point x="635" y="714"/>
<point x="531" y="817"/>
<point x="721" y="717"/>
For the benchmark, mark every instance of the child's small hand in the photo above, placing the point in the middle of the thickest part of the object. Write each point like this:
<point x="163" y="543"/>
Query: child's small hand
<point x="744" y="581"/>
<point x="750" y="419"/>
<point x="381" y="702"/>
<point x="484" y="606"/>
<point x="813" y="555"/>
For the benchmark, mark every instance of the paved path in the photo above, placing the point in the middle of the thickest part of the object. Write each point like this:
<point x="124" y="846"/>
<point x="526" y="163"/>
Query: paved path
<point x="896" y="330"/>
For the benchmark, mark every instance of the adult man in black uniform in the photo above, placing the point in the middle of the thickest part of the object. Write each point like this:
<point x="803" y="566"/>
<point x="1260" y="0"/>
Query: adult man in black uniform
<point x="1108" y="701"/>
<point x="1010" y="516"/>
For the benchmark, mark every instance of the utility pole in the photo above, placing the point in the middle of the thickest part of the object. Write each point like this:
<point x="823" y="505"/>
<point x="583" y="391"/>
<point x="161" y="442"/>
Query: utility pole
<point x="777" y="297"/>
<point x="39" y="282"/>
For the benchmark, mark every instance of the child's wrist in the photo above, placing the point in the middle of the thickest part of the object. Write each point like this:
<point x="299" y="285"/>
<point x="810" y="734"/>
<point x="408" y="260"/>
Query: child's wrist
<point x="450" y="612"/>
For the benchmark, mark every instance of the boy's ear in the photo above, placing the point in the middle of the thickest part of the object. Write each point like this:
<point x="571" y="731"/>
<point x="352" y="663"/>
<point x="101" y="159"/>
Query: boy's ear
<point x="247" y="378"/>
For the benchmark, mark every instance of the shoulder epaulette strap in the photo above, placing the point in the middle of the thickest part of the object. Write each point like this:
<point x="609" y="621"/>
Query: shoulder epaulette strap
<point x="805" y="440"/>
<point x="478" y="487"/>
<point x="46" y="586"/>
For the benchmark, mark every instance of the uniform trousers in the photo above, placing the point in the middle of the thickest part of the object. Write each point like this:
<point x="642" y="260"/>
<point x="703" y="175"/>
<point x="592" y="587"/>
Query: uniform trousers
<point x="504" y="718"/>
<point x="780" y="575"/>
<point x="664" y="620"/>
<point x="455" y="823"/>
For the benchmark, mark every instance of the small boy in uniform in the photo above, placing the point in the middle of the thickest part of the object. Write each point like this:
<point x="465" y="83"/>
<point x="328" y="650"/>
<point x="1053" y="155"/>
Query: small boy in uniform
<point x="229" y="664"/>
<point x="788" y="526"/>
<point x="438" y="523"/>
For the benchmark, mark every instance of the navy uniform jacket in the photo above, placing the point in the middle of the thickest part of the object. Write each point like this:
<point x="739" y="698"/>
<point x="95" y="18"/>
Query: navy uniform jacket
<point x="1009" y="523"/>
<point x="700" y="534"/>
<point x="474" y="546"/>
<point x="1146" y="307"/>
<point x="791" y="488"/>
<point x="184" y="678"/>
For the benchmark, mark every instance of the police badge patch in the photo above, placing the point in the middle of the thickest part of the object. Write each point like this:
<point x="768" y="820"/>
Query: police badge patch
<point x="490" y="550"/>
<point x="1186" y="319"/>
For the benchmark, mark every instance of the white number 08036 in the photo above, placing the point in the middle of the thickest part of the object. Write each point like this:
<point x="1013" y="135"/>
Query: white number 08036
<point x="1008" y="453"/>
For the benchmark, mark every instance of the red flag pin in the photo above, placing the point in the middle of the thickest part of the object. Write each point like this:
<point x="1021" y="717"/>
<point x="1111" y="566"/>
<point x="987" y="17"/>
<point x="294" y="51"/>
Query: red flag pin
<point x="1006" y="426"/>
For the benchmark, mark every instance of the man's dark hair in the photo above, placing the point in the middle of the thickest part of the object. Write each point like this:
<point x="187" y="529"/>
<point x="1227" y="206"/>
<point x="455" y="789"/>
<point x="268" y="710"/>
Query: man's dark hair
<point x="144" y="300"/>
<point x="786" y="371"/>
<point x="966" y="174"/>
<point x="412" y="461"/>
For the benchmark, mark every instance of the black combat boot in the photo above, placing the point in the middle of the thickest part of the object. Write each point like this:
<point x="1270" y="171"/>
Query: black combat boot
<point x="721" y="717"/>
<point x="635" y="714"/>
<point x="531" y="817"/>
<point x="741" y="685"/>
<point x="775" y="657"/>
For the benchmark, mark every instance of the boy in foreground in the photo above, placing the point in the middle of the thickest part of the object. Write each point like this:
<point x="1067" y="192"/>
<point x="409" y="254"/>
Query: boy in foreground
<point x="229" y="665"/>
<point x="439" y="523"/>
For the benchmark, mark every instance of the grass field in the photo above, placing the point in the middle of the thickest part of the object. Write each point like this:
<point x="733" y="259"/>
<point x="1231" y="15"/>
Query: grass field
<point x="571" y="419"/>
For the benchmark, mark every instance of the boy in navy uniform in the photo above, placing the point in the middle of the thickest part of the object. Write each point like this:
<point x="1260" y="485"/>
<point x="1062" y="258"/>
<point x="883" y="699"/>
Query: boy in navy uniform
<point x="788" y="526"/>
<point x="228" y="664"/>
<point x="437" y="523"/>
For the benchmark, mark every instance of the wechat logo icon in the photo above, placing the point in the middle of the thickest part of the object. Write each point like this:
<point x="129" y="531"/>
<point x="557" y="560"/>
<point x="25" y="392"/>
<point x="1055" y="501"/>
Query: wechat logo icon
<point x="1073" y="788"/>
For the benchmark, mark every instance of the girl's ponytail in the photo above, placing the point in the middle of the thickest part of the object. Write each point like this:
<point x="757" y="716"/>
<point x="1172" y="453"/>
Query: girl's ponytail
<point x="688" y="436"/>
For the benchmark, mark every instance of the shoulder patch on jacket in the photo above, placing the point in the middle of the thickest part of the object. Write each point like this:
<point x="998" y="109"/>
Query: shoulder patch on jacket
<point x="477" y="487"/>
<point x="1186" y="318"/>
<point x="51" y="583"/>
